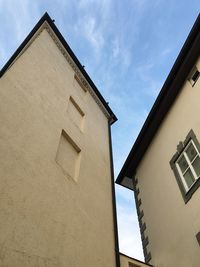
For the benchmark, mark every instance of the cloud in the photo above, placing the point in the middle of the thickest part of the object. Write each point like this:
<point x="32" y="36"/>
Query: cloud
<point x="92" y="22"/>
<point x="19" y="13"/>
<point x="166" y="51"/>
<point x="93" y="34"/>
<point x="115" y="48"/>
<point x="17" y="18"/>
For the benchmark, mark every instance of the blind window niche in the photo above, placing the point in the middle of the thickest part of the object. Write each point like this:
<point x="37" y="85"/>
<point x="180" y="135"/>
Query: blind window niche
<point x="76" y="113"/>
<point x="68" y="156"/>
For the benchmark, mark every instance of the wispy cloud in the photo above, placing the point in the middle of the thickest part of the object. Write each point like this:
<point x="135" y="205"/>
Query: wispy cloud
<point x="93" y="34"/>
<point x="166" y="51"/>
<point x="19" y="13"/>
<point x="18" y="17"/>
<point x="91" y="22"/>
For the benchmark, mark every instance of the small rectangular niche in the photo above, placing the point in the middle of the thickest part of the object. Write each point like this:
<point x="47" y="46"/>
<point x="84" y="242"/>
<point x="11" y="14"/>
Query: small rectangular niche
<point x="76" y="113"/>
<point x="80" y="85"/>
<point x="198" y="238"/>
<point x="68" y="156"/>
<point x="194" y="76"/>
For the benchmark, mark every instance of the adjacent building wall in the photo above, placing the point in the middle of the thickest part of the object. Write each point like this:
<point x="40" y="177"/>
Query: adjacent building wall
<point x="127" y="261"/>
<point x="53" y="212"/>
<point x="171" y="225"/>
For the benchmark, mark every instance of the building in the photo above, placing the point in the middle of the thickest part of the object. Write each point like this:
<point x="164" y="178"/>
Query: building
<point x="57" y="204"/>
<point x="127" y="261"/>
<point x="163" y="166"/>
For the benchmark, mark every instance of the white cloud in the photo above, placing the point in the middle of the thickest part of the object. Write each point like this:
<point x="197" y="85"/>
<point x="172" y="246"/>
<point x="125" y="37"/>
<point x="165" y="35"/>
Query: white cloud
<point x="166" y="51"/>
<point x="115" y="48"/>
<point x="151" y="85"/>
<point x="19" y="13"/>
<point x="18" y="18"/>
<point x="93" y="33"/>
<point x="92" y="20"/>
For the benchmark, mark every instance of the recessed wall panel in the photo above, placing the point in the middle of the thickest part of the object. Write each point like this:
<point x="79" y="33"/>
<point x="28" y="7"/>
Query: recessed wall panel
<point x="68" y="156"/>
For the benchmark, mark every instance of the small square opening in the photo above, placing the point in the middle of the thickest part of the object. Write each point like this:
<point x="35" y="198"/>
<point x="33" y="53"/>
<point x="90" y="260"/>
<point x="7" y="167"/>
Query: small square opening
<point x="194" y="75"/>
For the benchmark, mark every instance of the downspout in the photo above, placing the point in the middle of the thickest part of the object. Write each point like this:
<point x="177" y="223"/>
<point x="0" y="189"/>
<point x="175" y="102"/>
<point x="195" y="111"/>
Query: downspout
<point x="113" y="200"/>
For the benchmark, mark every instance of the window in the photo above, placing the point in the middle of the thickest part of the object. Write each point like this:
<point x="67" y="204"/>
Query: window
<point x="68" y="156"/>
<point x="194" y="75"/>
<point x="76" y="113"/>
<point x="186" y="165"/>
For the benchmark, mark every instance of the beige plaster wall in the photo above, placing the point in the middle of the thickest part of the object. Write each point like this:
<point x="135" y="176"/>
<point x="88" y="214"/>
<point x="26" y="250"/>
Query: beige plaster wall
<point x="171" y="224"/>
<point x="130" y="262"/>
<point x="47" y="217"/>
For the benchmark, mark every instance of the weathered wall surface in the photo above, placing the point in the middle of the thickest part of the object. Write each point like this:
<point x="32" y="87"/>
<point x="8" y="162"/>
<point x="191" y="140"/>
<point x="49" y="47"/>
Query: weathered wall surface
<point x="49" y="216"/>
<point x="130" y="262"/>
<point x="171" y="225"/>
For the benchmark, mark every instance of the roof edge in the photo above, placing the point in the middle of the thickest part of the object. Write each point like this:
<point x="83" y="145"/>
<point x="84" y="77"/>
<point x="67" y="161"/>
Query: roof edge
<point x="47" y="18"/>
<point x="163" y="102"/>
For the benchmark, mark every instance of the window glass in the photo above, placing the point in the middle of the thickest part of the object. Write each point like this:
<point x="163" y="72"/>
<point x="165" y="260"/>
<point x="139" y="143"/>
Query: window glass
<point x="182" y="164"/>
<point x="191" y="152"/>
<point x="189" y="178"/>
<point x="195" y="76"/>
<point x="196" y="166"/>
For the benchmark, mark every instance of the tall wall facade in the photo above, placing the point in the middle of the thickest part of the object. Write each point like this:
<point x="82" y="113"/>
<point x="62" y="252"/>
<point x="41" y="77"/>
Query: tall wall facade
<point x="127" y="261"/>
<point x="167" y="221"/>
<point x="55" y="178"/>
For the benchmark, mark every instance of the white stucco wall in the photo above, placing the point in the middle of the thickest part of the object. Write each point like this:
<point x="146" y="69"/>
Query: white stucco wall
<point x="47" y="217"/>
<point x="171" y="224"/>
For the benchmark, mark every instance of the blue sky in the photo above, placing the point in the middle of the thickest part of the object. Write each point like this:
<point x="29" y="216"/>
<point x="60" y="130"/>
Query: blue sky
<point x="128" y="48"/>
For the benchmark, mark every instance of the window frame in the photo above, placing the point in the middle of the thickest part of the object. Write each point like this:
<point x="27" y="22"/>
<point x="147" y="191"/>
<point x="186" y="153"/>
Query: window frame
<point x="194" y="76"/>
<point x="186" y="191"/>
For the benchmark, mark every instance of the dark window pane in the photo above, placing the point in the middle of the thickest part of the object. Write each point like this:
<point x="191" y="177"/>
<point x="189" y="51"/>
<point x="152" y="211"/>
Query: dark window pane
<point x="195" y="76"/>
<point x="182" y="164"/>
<point x="191" y="152"/>
<point x="189" y="178"/>
<point x="196" y="166"/>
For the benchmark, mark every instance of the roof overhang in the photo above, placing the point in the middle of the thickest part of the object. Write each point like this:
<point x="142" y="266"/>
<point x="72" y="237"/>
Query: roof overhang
<point x="171" y="88"/>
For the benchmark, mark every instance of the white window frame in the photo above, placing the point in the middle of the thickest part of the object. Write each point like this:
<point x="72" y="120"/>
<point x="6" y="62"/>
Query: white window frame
<point x="186" y="191"/>
<point x="189" y="165"/>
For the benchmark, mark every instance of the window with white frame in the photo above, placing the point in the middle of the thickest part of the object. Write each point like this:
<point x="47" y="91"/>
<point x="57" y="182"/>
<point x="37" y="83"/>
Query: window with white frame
<point x="186" y="165"/>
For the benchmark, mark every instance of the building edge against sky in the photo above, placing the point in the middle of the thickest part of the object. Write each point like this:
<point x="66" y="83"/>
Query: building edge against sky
<point x="153" y="169"/>
<point x="70" y="140"/>
<point x="54" y="210"/>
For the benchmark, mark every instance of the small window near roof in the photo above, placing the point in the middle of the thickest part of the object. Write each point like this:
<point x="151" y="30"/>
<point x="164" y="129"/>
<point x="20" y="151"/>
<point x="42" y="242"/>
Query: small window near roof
<point x="194" y="75"/>
<point x="186" y="165"/>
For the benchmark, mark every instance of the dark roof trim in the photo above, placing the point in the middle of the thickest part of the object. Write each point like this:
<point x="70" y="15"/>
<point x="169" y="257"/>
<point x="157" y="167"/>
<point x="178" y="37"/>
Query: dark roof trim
<point x="135" y="259"/>
<point x="47" y="18"/>
<point x="171" y="88"/>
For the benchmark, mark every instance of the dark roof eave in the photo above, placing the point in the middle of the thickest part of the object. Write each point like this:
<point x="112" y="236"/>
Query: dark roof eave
<point x="172" y="86"/>
<point x="47" y="18"/>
